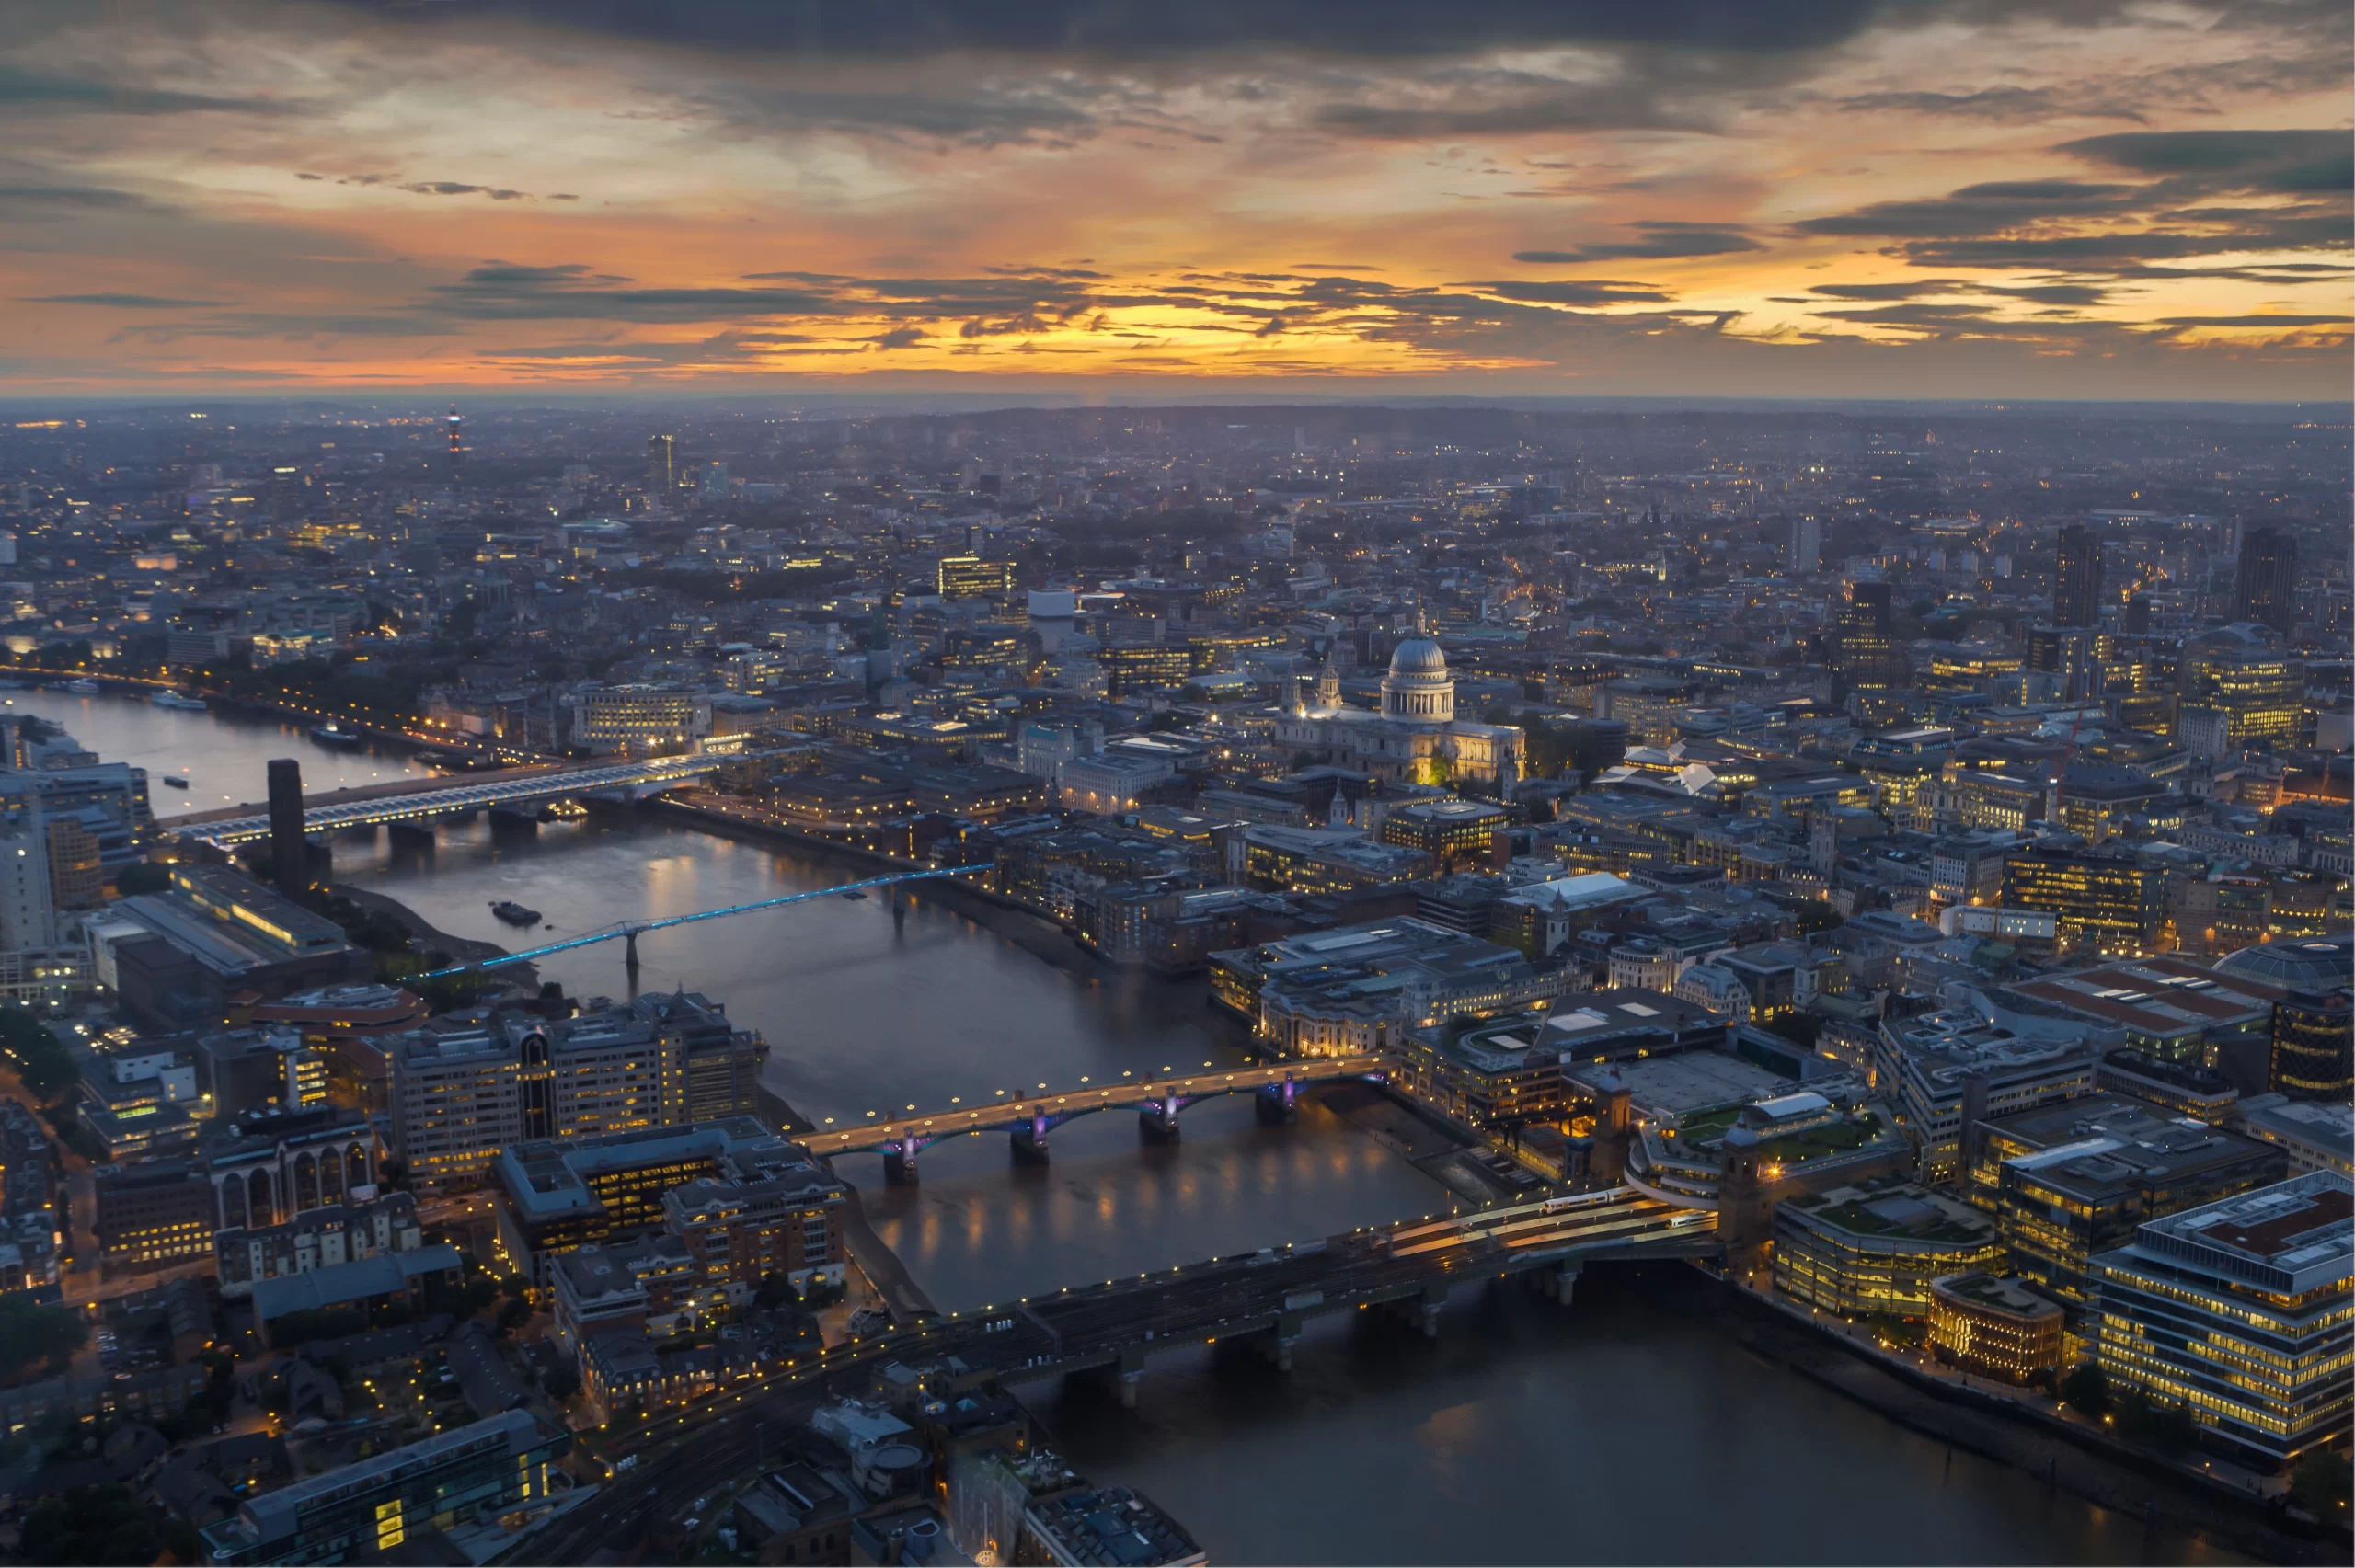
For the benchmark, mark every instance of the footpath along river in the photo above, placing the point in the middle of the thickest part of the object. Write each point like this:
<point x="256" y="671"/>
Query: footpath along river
<point x="1621" y="1429"/>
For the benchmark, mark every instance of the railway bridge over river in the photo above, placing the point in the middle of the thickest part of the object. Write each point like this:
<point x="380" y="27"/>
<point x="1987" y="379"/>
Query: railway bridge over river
<point x="1407" y="1270"/>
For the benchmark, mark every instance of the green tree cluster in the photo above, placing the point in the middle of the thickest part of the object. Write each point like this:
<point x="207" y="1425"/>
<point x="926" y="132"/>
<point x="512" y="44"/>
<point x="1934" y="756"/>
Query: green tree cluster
<point x="34" y="1336"/>
<point x="95" y="1525"/>
<point x="39" y="1057"/>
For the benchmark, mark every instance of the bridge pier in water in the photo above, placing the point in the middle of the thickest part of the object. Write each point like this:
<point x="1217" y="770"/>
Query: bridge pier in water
<point x="411" y="835"/>
<point x="1029" y="1143"/>
<point x="1277" y="1104"/>
<point x="1557" y="1282"/>
<point x="1158" y="1120"/>
<point x="1131" y="1372"/>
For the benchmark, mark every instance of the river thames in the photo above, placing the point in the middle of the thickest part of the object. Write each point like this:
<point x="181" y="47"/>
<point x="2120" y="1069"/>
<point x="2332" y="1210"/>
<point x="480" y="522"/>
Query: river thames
<point x="1608" y="1432"/>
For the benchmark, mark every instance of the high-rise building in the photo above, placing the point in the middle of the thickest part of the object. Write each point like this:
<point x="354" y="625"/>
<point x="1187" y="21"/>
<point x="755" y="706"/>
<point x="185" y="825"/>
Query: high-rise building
<point x="290" y="852"/>
<point x="27" y="923"/>
<point x="2313" y="1049"/>
<point x="1863" y="649"/>
<point x="76" y="871"/>
<point x="286" y="487"/>
<point x="2266" y="589"/>
<point x="1804" y="551"/>
<point x="2138" y="615"/>
<point x="661" y="466"/>
<point x="712" y="482"/>
<point x="2077" y="578"/>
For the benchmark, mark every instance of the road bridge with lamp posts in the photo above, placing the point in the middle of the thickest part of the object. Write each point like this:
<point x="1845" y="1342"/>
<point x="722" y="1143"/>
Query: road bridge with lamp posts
<point x="1159" y="1099"/>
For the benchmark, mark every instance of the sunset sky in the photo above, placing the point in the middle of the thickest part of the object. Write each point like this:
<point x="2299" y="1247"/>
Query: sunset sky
<point x="1336" y="198"/>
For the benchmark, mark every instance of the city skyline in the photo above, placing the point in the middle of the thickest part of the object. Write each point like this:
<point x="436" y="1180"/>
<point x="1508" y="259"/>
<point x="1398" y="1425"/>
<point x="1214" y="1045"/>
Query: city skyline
<point x="1073" y="201"/>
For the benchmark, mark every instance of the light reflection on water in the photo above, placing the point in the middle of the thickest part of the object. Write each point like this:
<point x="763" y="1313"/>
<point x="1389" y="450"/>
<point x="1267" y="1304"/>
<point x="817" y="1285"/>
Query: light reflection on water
<point x="1613" y="1432"/>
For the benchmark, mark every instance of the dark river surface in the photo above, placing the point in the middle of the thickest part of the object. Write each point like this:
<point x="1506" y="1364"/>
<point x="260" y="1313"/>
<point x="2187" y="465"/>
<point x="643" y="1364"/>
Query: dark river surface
<point x="1609" y="1432"/>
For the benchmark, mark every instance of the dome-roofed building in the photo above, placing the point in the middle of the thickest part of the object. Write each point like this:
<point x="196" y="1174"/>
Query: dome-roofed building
<point x="1415" y="739"/>
<point x="2303" y="964"/>
<point x="1419" y="690"/>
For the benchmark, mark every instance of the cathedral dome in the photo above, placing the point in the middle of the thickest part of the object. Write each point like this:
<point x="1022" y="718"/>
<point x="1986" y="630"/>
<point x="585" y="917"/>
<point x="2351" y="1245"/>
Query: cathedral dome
<point x="1419" y="691"/>
<point x="1418" y="656"/>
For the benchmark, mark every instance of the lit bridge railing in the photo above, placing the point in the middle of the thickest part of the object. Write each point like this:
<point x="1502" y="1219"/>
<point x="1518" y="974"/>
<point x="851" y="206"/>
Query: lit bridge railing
<point x="426" y="804"/>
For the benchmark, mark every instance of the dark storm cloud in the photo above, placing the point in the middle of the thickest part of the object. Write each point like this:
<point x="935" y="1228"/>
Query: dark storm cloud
<point x="2102" y="252"/>
<point x="1869" y="291"/>
<point x="1987" y="208"/>
<point x="1125" y="29"/>
<point x="2291" y="162"/>
<point x="1661" y="239"/>
<point x="2009" y="105"/>
<point x="51" y="94"/>
<point x="116" y="302"/>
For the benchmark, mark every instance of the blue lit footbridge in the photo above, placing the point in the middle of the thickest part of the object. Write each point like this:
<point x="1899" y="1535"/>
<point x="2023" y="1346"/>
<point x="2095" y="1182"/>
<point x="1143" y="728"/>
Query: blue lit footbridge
<point x="629" y="932"/>
<point x="1029" y="1118"/>
<point x="423" y="802"/>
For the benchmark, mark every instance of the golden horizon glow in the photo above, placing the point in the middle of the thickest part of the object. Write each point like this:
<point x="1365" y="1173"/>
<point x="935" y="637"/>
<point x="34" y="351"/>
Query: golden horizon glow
<point x="310" y="197"/>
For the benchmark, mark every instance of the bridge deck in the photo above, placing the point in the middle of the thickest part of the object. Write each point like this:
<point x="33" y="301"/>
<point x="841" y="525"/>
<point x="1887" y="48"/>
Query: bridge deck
<point x="379" y="805"/>
<point x="1058" y="1104"/>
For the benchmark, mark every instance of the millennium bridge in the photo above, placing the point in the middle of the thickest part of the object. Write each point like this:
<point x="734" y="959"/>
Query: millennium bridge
<point x="1028" y="1118"/>
<point x="1405" y="1271"/>
<point x="425" y="802"/>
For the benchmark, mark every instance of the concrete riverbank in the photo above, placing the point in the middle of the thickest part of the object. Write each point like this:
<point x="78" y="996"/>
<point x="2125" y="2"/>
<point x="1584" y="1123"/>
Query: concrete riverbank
<point x="2167" y="1496"/>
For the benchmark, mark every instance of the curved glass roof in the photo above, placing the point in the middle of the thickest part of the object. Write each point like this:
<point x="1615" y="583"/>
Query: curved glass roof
<point x="2314" y="963"/>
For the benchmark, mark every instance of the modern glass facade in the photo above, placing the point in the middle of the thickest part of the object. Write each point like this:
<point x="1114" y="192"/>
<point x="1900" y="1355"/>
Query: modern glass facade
<point x="2243" y="1310"/>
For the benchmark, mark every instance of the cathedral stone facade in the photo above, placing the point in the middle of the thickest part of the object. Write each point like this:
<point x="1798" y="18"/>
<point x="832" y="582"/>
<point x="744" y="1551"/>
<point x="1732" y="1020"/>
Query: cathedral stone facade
<point x="1415" y="739"/>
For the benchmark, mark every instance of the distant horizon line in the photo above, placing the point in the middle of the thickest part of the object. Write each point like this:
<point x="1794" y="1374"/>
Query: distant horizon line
<point x="967" y="402"/>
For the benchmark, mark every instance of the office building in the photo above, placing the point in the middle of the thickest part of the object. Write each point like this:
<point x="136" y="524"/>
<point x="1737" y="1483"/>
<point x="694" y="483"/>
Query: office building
<point x="2244" y="1310"/>
<point x="1947" y="1070"/>
<point x="1361" y="987"/>
<point x="466" y="1089"/>
<point x="560" y="1195"/>
<point x="481" y="1474"/>
<point x="2184" y="1087"/>
<point x="1871" y="1249"/>
<point x="2104" y="901"/>
<point x="1994" y="1326"/>
<point x="2314" y="1057"/>
<point x="2265" y="589"/>
<point x="2075" y="1179"/>
<point x="2173" y="1009"/>
<point x="2237" y="686"/>
<point x="153" y="1214"/>
<point x="1456" y="835"/>
<point x="2317" y="1135"/>
<point x="642" y="719"/>
<point x="1112" y="1524"/>
<point x="290" y="852"/>
<point x="1325" y="860"/>
<point x="2077" y="578"/>
<point x="662" y="467"/>
<point x="970" y="577"/>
